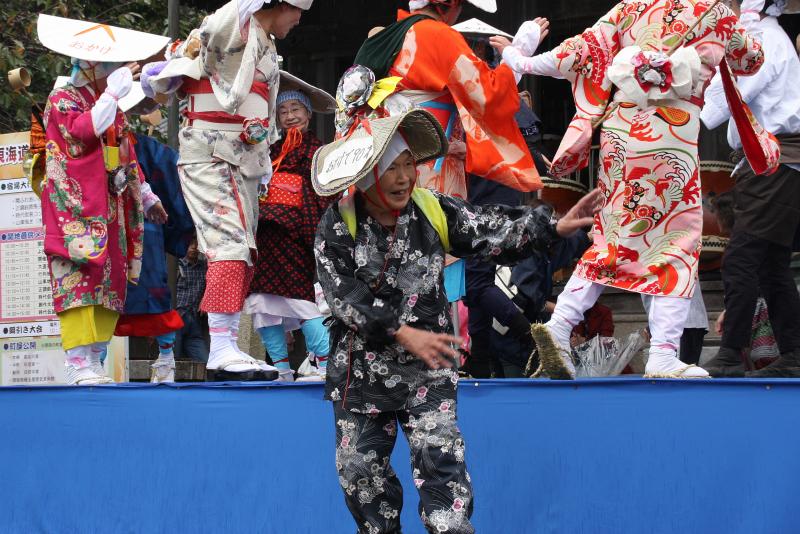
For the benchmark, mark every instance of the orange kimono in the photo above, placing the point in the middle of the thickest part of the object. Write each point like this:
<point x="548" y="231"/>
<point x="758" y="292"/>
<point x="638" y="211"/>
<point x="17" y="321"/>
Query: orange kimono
<point x="442" y="74"/>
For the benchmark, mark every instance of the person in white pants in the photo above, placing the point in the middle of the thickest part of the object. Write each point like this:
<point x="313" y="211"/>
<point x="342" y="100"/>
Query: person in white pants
<point x="666" y="316"/>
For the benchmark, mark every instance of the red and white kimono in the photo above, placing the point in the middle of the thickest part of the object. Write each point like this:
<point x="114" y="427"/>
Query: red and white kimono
<point x="647" y="235"/>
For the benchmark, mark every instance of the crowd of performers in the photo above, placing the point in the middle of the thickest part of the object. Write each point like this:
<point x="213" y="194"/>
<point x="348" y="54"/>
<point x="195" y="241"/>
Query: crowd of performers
<point x="433" y="151"/>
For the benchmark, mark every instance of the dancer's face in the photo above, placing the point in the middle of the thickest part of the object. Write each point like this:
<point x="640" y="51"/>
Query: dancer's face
<point x="396" y="183"/>
<point x="293" y="114"/>
<point x="286" y="18"/>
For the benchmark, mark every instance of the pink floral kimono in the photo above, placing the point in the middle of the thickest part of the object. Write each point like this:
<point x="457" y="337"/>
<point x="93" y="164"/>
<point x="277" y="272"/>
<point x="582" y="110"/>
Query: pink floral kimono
<point x="647" y="236"/>
<point x="93" y="228"/>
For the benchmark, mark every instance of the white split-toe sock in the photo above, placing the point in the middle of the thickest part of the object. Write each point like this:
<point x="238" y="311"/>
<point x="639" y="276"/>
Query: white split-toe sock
<point x="664" y="363"/>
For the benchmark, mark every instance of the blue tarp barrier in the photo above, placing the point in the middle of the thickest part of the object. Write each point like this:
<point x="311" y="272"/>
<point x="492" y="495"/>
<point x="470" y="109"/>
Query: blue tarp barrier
<point x="593" y="456"/>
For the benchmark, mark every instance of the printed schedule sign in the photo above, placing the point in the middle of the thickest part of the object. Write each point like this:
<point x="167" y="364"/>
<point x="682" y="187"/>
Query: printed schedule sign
<point x="30" y="344"/>
<point x="25" y="294"/>
<point x="28" y="361"/>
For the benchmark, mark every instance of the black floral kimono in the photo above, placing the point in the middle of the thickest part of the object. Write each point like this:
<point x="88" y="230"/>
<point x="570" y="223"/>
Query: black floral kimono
<point x="383" y="279"/>
<point x="386" y="278"/>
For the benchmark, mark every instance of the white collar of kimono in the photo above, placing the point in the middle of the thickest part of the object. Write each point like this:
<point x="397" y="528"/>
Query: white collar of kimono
<point x="396" y="147"/>
<point x="751" y="10"/>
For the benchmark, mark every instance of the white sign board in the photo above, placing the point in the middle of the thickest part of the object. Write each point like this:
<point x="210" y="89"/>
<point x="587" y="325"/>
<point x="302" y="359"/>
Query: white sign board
<point x="347" y="160"/>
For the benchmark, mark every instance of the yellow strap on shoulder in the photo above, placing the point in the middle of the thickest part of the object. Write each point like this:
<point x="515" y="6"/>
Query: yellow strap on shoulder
<point x="425" y="201"/>
<point x="429" y="204"/>
<point x="347" y="209"/>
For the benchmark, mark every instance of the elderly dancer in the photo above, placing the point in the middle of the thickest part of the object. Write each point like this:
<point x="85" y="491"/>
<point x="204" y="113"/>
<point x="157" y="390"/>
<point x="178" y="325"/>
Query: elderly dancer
<point x="282" y="295"/>
<point x="228" y="70"/>
<point x="92" y="195"/>
<point x="647" y="237"/>
<point x="767" y="207"/>
<point x="380" y="260"/>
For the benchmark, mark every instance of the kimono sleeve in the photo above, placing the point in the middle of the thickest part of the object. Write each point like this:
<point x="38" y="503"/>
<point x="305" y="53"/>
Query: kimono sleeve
<point x="745" y="56"/>
<point x="484" y="98"/>
<point x="351" y="301"/>
<point x="72" y="119"/>
<point x="498" y="234"/>
<point x="744" y="53"/>
<point x="589" y="54"/>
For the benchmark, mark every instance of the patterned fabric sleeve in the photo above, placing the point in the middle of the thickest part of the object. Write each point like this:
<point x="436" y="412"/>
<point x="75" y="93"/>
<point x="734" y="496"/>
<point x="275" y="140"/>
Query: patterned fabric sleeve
<point x="74" y="121"/>
<point x="589" y="54"/>
<point x="499" y="234"/>
<point x="351" y="301"/>
<point x="436" y="57"/>
<point x="149" y="199"/>
<point x="744" y="53"/>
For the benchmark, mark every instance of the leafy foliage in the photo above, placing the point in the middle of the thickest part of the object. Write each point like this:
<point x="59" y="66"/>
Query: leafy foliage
<point x="21" y="47"/>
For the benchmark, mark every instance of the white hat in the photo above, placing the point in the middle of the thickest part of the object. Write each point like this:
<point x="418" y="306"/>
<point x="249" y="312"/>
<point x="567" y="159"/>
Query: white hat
<point x="90" y="41"/>
<point x="478" y="27"/>
<point x="490" y="6"/>
<point x="321" y="101"/>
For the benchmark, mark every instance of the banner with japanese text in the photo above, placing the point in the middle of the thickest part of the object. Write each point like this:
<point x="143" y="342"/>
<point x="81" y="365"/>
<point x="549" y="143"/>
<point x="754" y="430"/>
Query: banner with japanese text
<point x="30" y="340"/>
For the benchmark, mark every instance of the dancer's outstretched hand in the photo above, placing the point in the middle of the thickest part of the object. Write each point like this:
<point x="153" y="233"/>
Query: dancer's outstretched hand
<point x="544" y="24"/>
<point x="581" y="215"/>
<point x="436" y="350"/>
<point x="136" y="70"/>
<point x="499" y="43"/>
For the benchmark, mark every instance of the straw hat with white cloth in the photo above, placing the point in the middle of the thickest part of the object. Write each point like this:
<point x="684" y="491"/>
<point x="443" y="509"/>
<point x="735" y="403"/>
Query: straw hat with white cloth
<point x="343" y="163"/>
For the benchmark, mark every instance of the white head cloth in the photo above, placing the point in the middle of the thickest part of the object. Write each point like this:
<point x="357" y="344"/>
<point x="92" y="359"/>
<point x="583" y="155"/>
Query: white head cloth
<point x="414" y="5"/>
<point x="396" y="147"/>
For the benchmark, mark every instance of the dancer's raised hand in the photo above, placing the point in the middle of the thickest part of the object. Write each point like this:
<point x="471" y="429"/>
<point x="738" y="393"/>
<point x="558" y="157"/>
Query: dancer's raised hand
<point x="544" y="24"/>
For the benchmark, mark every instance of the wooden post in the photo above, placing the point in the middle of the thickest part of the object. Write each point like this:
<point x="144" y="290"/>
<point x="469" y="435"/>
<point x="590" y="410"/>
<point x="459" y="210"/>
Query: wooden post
<point x="173" y="118"/>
